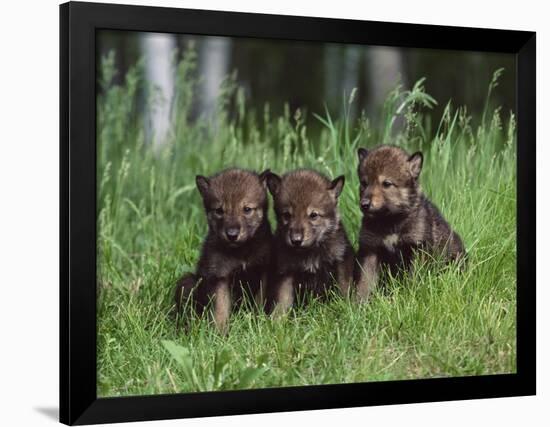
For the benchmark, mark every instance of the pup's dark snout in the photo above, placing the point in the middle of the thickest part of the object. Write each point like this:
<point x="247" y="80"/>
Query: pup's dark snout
<point x="232" y="233"/>
<point x="365" y="204"/>
<point x="296" y="238"/>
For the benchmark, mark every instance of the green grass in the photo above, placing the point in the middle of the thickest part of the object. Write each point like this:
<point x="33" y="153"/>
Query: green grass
<point x="435" y="322"/>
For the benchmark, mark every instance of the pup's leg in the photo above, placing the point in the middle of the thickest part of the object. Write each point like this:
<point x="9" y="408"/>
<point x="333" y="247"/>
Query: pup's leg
<point x="450" y="244"/>
<point x="344" y="273"/>
<point x="457" y="253"/>
<point x="221" y="299"/>
<point x="185" y="289"/>
<point x="260" y="296"/>
<point x="283" y="296"/>
<point x="186" y="299"/>
<point x="367" y="277"/>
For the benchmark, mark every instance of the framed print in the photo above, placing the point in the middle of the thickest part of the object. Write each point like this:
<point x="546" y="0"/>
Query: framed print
<point x="267" y="213"/>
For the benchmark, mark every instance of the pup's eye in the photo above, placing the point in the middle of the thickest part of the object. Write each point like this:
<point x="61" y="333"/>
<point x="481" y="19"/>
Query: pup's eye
<point x="314" y="215"/>
<point x="364" y="183"/>
<point x="218" y="211"/>
<point x="286" y="216"/>
<point x="247" y="209"/>
<point x="387" y="183"/>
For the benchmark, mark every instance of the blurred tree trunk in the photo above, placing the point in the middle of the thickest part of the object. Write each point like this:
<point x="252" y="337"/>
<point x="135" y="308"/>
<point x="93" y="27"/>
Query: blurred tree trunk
<point x="352" y="63"/>
<point x="159" y="73"/>
<point x="385" y="68"/>
<point x="215" y="55"/>
<point x="333" y="75"/>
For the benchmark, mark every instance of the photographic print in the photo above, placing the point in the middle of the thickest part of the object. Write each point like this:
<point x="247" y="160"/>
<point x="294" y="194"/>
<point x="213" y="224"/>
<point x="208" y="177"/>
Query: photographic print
<point x="275" y="213"/>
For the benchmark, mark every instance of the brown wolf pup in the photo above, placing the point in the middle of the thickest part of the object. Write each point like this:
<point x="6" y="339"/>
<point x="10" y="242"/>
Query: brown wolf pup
<point x="311" y="250"/>
<point x="236" y="252"/>
<point x="397" y="218"/>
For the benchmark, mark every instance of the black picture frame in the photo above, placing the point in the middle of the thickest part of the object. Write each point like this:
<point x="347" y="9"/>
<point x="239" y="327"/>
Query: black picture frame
<point x="79" y="403"/>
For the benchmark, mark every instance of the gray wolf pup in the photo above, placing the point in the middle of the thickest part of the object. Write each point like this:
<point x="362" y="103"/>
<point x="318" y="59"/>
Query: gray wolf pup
<point x="236" y="251"/>
<point x="311" y="250"/>
<point x="398" y="219"/>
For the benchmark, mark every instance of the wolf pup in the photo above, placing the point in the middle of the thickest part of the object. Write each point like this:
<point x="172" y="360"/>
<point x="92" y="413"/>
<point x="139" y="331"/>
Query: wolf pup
<point x="311" y="250"/>
<point x="236" y="252"/>
<point x="397" y="218"/>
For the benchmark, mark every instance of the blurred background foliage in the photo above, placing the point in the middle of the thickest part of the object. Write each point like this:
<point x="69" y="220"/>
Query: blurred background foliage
<point x="308" y="75"/>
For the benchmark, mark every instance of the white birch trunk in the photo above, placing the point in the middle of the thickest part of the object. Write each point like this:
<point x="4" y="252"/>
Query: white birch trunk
<point x="333" y="74"/>
<point x="352" y="60"/>
<point x="213" y="69"/>
<point x="159" y="72"/>
<point x="385" y="69"/>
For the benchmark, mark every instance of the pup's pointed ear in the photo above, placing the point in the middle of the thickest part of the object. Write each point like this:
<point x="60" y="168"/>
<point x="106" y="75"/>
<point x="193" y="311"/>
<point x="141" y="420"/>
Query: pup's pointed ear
<point x="203" y="184"/>
<point x="273" y="183"/>
<point x="263" y="177"/>
<point x="415" y="164"/>
<point x="336" y="186"/>
<point x="362" y="153"/>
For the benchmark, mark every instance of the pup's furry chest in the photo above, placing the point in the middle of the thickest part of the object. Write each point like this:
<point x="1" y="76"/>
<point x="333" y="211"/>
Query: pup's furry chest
<point x="313" y="262"/>
<point x="390" y="242"/>
<point x="310" y="264"/>
<point x="316" y="284"/>
<point x="227" y="263"/>
<point x="392" y="246"/>
<point x="311" y="272"/>
<point x="315" y="268"/>
<point x="249" y="264"/>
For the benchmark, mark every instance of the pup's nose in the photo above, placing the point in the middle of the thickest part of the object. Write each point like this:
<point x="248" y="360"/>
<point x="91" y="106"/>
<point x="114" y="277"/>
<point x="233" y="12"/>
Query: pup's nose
<point x="232" y="233"/>
<point x="365" y="204"/>
<point x="296" y="239"/>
